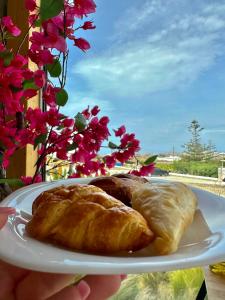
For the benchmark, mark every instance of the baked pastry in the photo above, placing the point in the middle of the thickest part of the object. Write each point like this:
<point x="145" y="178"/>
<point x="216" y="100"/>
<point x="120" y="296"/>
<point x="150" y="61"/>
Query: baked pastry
<point x="120" y="186"/>
<point x="84" y="217"/>
<point x="71" y="192"/>
<point x="131" y="176"/>
<point x="169" y="209"/>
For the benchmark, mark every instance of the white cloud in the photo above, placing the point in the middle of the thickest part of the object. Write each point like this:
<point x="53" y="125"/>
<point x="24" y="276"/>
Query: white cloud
<point x="214" y="131"/>
<point x="163" y="57"/>
<point x="136" y="17"/>
<point x="80" y="101"/>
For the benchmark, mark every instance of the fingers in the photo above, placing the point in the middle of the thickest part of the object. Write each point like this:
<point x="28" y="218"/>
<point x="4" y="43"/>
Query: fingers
<point x="9" y="278"/>
<point x="7" y="210"/>
<point x="4" y="213"/>
<point x="3" y="220"/>
<point x="42" y="285"/>
<point x="77" y="292"/>
<point x="103" y="286"/>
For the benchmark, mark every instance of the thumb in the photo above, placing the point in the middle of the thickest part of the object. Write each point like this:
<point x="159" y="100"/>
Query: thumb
<point x="3" y="220"/>
<point x="4" y="213"/>
<point x="77" y="292"/>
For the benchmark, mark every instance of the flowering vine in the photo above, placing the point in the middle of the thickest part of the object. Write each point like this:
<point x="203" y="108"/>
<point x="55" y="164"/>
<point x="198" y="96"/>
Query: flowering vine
<point x="77" y="140"/>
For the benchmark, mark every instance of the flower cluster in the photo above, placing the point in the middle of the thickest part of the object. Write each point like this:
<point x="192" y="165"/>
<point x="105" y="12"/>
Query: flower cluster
<point x="77" y="140"/>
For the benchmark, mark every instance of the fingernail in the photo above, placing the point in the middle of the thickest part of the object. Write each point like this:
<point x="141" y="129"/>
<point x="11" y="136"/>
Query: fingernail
<point x="84" y="289"/>
<point x="7" y="210"/>
<point x="123" y="276"/>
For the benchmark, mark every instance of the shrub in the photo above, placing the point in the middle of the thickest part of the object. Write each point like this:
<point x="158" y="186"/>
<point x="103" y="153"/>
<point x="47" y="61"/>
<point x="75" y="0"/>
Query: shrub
<point x="209" y="169"/>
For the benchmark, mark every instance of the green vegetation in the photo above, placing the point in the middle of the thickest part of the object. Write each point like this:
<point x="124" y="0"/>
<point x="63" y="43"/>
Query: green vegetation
<point x="199" y="168"/>
<point x="209" y="169"/>
<point x="175" y="285"/>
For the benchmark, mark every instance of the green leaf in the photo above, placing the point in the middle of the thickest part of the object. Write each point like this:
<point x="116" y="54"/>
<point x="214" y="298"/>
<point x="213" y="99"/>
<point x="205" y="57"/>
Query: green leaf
<point x="29" y="84"/>
<point x="12" y="182"/>
<point x="37" y="23"/>
<point x="80" y="122"/>
<point x="72" y="147"/>
<point x="111" y="145"/>
<point x="60" y="127"/>
<point x="1" y="157"/>
<point x="61" y="97"/>
<point x="40" y="140"/>
<point x="55" y="68"/>
<point x="50" y="8"/>
<point x="150" y="160"/>
<point x="7" y="56"/>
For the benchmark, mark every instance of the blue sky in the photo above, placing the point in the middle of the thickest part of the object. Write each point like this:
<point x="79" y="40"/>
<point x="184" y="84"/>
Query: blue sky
<point x="154" y="66"/>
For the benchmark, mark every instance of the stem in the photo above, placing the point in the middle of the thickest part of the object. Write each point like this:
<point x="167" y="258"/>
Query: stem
<point x="26" y="35"/>
<point x="3" y="40"/>
<point x="61" y="164"/>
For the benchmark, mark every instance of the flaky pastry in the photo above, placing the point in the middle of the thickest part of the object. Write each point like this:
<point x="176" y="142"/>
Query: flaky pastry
<point x="84" y="217"/>
<point x="169" y="209"/>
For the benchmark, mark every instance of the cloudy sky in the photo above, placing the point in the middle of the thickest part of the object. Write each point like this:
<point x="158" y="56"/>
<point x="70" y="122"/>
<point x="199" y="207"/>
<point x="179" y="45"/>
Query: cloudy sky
<point x="155" y="65"/>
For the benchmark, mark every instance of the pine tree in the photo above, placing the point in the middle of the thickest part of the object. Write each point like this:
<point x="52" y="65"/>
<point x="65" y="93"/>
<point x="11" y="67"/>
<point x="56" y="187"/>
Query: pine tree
<point x="210" y="150"/>
<point x="194" y="150"/>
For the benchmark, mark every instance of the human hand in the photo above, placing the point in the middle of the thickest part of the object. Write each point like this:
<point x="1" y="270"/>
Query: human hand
<point x="21" y="284"/>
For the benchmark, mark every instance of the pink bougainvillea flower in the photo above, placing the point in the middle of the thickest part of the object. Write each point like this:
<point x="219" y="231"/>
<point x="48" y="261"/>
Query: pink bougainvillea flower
<point x="36" y="119"/>
<point x="86" y="113"/>
<point x="29" y="180"/>
<point x="49" y="95"/>
<point x="6" y="158"/>
<point x="62" y="154"/>
<point x="10" y="27"/>
<point x="88" y="25"/>
<point x="52" y="116"/>
<point x="95" y="110"/>
<point x="61" y="134"/>
<point x="39" y="78"/>
<point x="41" y="57"/>
<point x="120" y="131"/>
<point x="58" y="42"/>
<point x="2" y="47"/>
<point x="84" y="7"/>
<point x="37" y="39"/>
<point x="110" y="161"/>
<point x="68" y="122"/>
<point x="30" y="5"/>
<point x="74" y="175"/>
<point x="82" y="44"/>
<point x="104" y="120"/>
<point x="29" y="93"/>
<point x="144" y="170"/>
<point x="53" y="38"/>
<point x="19" y="61"/>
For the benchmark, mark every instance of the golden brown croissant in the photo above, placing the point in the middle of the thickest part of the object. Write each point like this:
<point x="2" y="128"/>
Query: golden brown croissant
<point x="169" y="208"/>
<point x="84" y="217"/>
<point x="71" y="192"/>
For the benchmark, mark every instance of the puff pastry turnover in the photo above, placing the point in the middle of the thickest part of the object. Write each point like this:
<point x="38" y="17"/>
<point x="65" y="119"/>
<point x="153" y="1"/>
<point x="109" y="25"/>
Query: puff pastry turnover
<point x="84" y="217"/>
<point x="119" y="187"/>
<point x="169" y="209"/>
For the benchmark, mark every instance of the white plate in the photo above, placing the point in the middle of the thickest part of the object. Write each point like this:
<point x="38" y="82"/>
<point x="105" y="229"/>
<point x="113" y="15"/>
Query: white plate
<point x="202" y="244"/>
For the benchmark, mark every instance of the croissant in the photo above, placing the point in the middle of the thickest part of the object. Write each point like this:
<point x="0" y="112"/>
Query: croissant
<point x="70" y="193"/>
<point x="169" y="209"/>
<point x="84" y="217"/>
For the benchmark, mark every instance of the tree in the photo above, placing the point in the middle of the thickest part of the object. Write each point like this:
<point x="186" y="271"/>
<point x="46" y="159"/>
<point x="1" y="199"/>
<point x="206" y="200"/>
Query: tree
<point x="210" y="150"/>
<point x="195" y="150"/>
